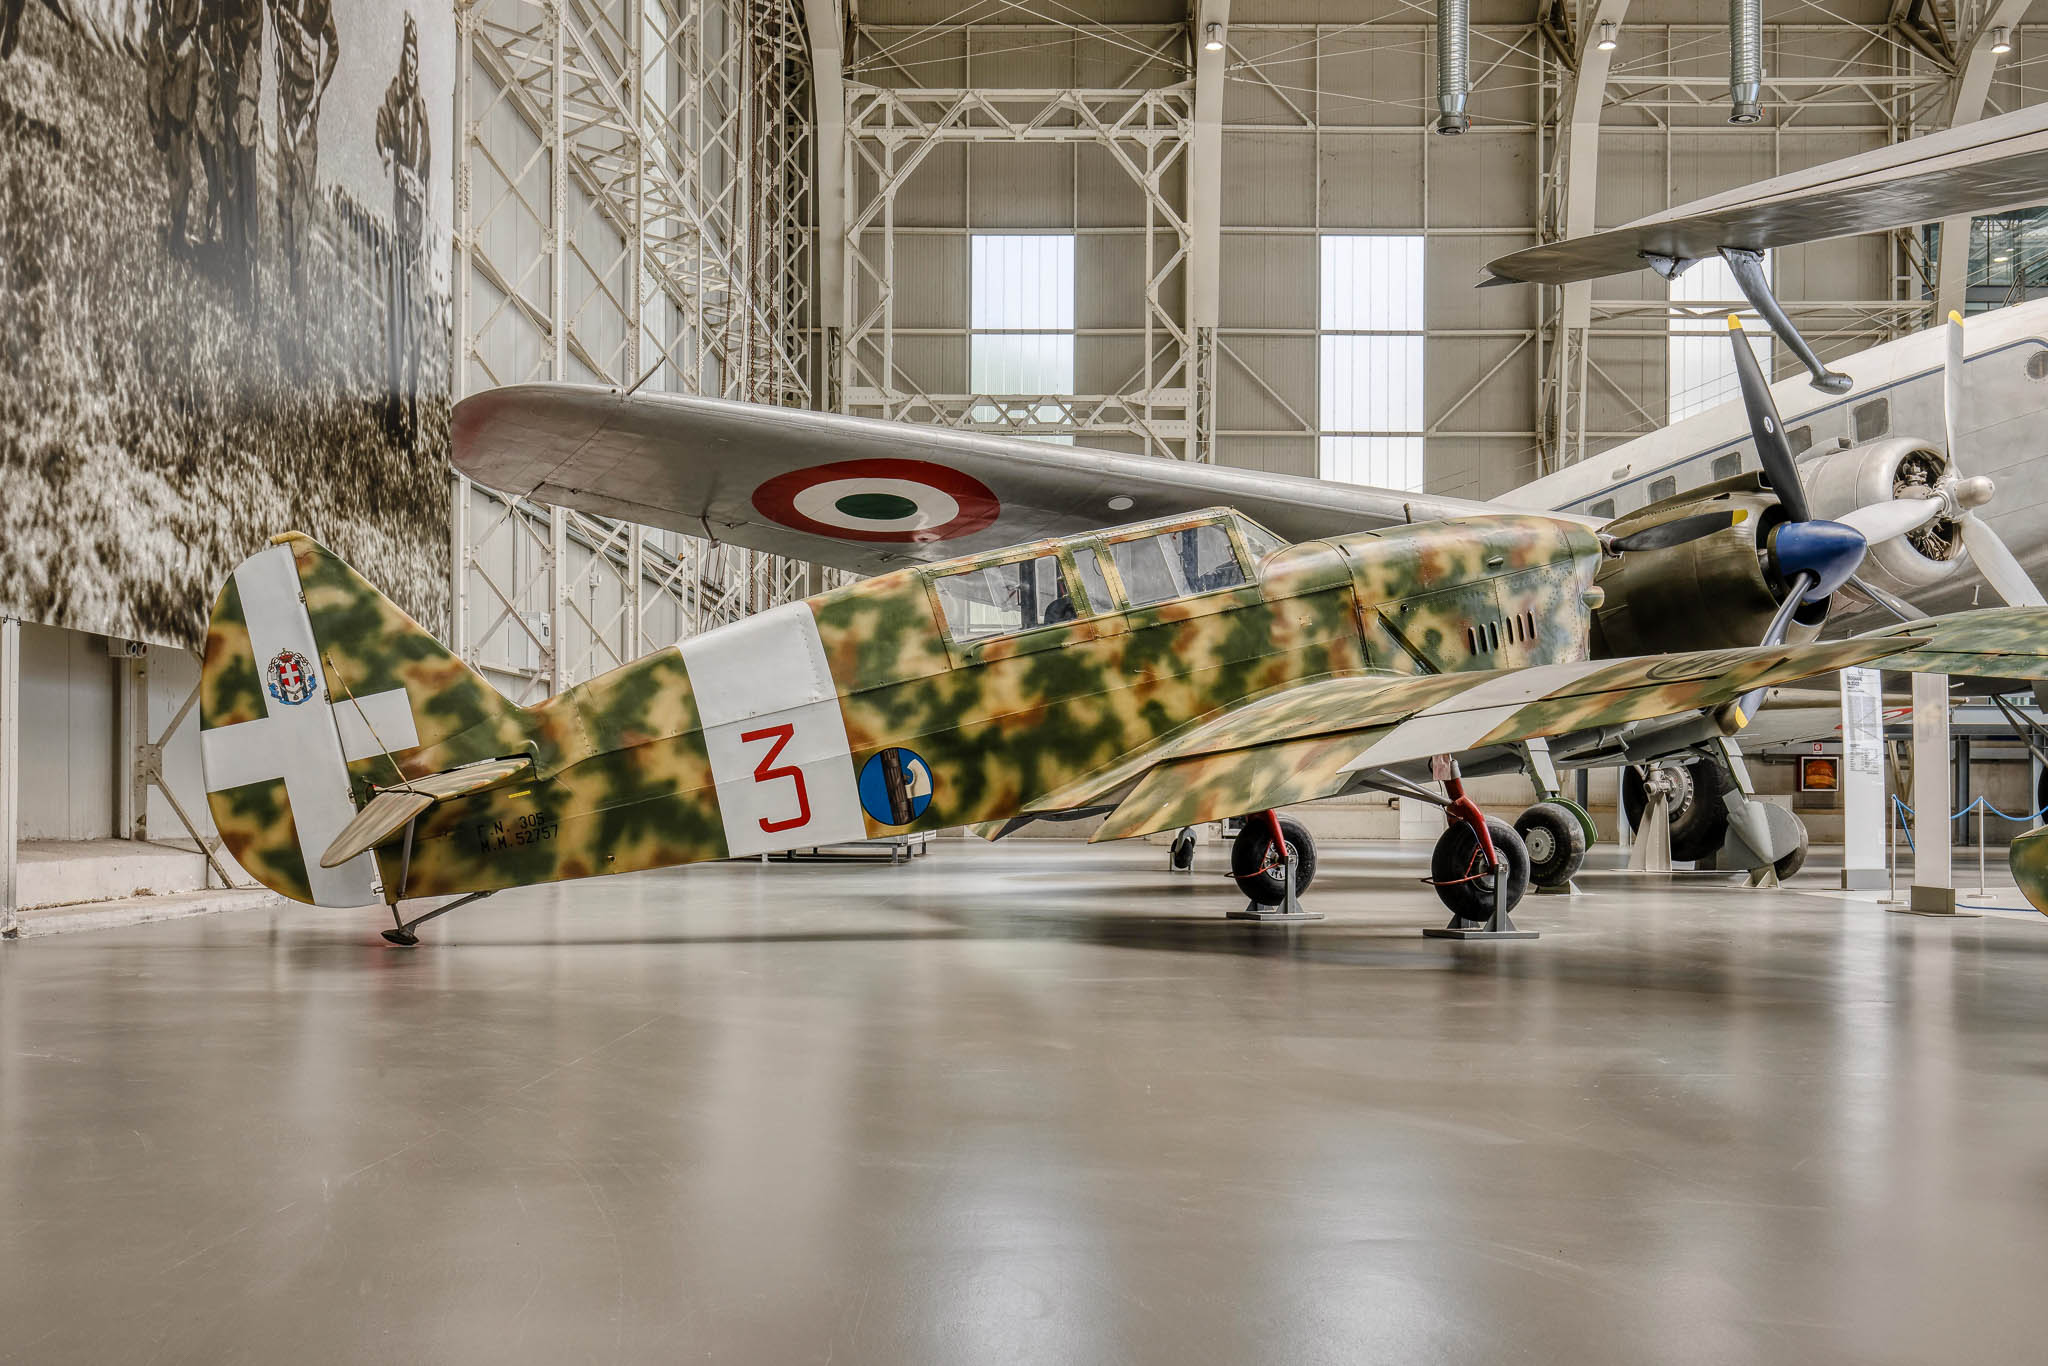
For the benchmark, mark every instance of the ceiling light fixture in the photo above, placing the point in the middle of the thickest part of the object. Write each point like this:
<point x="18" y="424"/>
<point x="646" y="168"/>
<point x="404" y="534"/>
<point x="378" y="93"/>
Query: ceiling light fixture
<point x="2001" y="41"/>
<point x="1608" y="42"/>
<point x="1212" y="38"/>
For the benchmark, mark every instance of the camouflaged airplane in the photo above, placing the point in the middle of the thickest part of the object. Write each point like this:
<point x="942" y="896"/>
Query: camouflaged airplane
<point x="1158" y="674"/>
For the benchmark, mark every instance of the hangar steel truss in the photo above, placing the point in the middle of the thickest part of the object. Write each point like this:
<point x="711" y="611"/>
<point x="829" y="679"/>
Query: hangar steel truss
<point x="633" y="207"/>
<point x="1147" y="133"/>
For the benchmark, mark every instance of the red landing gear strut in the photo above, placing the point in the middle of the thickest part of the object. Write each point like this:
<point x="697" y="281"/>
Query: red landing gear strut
<point x="1480" y="867"/>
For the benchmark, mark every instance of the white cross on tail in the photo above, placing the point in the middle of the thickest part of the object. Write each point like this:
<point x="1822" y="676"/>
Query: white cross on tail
<point x="307" y="744"/>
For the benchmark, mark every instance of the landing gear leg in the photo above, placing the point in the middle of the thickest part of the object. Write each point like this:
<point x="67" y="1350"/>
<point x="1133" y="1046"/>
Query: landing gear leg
<point x="1480" y="868"/>
<point x="1556" y="830"/>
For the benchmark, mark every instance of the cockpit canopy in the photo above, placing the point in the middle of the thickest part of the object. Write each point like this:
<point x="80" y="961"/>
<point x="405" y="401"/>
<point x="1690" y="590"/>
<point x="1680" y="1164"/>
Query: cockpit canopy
<point x="1101" y="572"/>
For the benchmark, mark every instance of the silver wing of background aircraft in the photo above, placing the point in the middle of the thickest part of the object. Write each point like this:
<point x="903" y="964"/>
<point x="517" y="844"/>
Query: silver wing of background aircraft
<point x="1989" y="166"/>
<point x="862" y="494"/>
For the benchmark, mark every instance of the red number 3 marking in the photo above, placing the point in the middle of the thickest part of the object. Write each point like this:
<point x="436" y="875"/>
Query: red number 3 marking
<point x="764" y="774"/>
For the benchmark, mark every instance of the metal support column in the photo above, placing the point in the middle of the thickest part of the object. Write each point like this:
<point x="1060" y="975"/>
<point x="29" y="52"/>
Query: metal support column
<point x="10" y="773"/>
<point x="1933" y="883"/>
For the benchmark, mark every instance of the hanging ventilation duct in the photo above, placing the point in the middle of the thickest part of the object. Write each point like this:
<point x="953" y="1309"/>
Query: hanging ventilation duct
<point x="1745" y="61"/>
<point x="1453" y="69"/>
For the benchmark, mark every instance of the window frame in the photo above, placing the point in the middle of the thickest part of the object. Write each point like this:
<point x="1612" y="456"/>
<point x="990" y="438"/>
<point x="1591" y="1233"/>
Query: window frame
<point x="1418" y="334"/>
<point x="1245" y="564"/>
<point x="1069" y="581"/>
<point x="1002" y="415"/>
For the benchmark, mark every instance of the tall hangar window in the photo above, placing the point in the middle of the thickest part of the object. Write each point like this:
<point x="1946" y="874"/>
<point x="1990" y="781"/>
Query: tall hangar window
<point x="1370" y="348"/>
<point x="1702" y="367"/>
<point x="1021" y="334"/>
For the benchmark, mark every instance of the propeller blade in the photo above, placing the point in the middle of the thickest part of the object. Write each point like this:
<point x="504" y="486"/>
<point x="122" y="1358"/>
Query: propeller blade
<point x="1897" y="606"/>
<point x="1893" y="517"/>
<point x="1677" y="531"/>
<point x="1997" y="564"/>
<point x="1802" y="583"/>
<point x="1766" y="428"/>
<point x="1952" y="388"/>
<point x="1733" y="716"/>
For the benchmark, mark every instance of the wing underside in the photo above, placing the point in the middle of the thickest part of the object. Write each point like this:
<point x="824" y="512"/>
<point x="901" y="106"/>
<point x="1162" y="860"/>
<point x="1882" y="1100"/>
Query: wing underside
<point x="1328" y="737"/>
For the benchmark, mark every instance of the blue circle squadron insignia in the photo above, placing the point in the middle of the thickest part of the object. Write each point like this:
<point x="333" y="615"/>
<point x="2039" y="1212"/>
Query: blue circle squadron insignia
<point x="895" y="786"/>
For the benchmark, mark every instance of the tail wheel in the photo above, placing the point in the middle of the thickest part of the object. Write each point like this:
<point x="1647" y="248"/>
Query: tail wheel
<point x="1556" y="843"/>
<point x="1256" y="866"/>
<point x="1464" y="882"/>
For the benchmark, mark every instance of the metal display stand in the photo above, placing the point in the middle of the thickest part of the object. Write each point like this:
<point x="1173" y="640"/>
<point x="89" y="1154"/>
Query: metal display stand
<point x="1288" y="911"/>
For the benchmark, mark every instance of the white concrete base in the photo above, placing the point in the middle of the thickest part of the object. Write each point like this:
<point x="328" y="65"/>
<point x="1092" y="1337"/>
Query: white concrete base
<point x="61" y="872"/>
<point x="140" y="910"/>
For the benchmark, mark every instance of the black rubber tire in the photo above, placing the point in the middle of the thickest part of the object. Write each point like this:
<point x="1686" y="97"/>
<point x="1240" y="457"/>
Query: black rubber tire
<point x="1699" y="820"/>
<point x="1180" y="856"/>
<point x="1555" y="841"/>
<point x="1705" y="827"/>
<point x="1457" y="858"/>
<point x="1257" y="873"/>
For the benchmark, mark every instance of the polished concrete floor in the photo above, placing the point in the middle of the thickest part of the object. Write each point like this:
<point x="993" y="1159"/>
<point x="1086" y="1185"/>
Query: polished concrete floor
<point x="1029" y="1104"/>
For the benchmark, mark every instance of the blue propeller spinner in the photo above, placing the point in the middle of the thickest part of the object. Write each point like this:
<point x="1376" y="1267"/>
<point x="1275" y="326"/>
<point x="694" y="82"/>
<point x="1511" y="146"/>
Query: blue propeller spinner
<point x="1826" y="552"/>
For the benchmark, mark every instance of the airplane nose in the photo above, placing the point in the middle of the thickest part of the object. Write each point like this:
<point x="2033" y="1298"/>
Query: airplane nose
<point x="1829" y="551"/>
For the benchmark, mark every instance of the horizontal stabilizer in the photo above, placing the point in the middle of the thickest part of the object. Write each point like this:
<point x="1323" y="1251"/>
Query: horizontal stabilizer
<point x="393" y="808"/>
<point x="1989" y="166"/>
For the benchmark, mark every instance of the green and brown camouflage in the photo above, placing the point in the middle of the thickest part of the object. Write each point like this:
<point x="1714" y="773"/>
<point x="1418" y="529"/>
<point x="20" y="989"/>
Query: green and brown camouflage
<point x="2028" y="858"/>
<point x="866" y="711"/>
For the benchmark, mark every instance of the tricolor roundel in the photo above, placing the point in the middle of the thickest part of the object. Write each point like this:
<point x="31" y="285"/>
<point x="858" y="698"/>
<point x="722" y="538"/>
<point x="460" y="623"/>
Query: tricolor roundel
<point x="879" y="500"/>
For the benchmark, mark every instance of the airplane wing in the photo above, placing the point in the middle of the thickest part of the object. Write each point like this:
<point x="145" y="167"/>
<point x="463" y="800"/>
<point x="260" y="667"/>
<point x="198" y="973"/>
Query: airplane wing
<point x="862" y="494"/>
<point x="1307" y="742"/>
<point x="1984" y="167"/>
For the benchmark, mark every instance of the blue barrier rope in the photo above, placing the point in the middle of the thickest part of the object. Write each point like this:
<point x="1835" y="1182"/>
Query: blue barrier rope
<point x="1900" y="803"/>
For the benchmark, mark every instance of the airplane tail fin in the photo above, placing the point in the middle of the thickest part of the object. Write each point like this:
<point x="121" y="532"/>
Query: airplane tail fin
<point x="316" y="689"/>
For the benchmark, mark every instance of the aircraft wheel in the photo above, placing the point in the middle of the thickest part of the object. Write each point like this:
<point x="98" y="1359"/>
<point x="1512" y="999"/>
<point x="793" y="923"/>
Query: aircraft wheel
<point x="1699" y="820"/>
<point x="1458" y="867"/>
<point x="1705" y="823"/>
<point x="1256" y="866"/>
<point x="1556" y="843"/>
<point x="1181" y="855"/>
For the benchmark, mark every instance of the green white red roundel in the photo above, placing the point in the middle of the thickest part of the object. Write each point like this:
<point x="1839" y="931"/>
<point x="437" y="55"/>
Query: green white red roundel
<point x="879" y="500"/>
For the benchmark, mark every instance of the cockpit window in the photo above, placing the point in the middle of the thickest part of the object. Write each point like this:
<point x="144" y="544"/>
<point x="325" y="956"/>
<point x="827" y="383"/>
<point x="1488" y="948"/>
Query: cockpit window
<point x="1094" y="585"/>
<point x="1259" y="541"/>
<point x="1176" y="564"/>
<point x="999" y="599"/>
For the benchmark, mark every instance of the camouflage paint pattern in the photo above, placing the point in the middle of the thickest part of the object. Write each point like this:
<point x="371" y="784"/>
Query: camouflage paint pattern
<point x="1221" y="702"/>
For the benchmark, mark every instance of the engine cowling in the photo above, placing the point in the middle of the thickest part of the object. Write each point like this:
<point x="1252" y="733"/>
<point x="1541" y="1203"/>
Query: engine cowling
<point x="1841" y="481"/>
<point x="1713" y="593"/>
